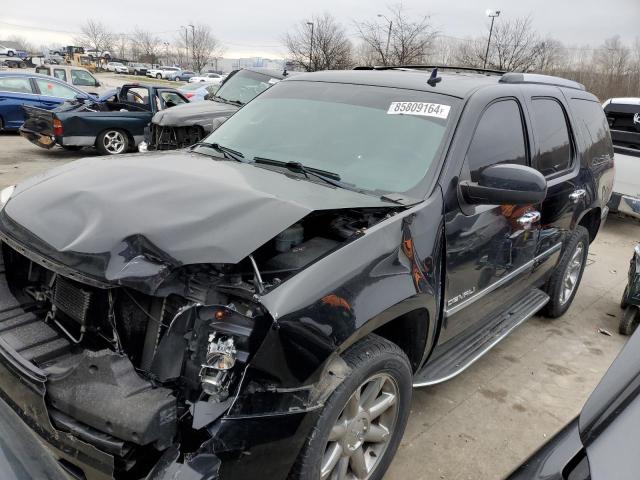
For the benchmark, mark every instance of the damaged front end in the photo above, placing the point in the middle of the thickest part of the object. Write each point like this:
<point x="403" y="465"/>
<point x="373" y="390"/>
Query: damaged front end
<point x="152" y="376"/>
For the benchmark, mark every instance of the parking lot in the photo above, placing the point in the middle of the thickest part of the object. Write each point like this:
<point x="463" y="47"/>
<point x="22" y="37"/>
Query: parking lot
<point x="484" y="422"/>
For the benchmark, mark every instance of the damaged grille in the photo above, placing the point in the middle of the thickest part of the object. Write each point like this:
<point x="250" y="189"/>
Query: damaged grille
<point x="171" y="138"/>
<point x="72" y="300"/>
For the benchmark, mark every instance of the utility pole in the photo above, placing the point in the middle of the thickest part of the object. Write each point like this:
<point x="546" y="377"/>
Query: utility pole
<point x="186" y="44"/>
<point x="310" y="47"/>
<point x="386" y="50"/>
<point x="166" y="52"/>
<point x="492" y="14"/>
<point x="193" y="45"/>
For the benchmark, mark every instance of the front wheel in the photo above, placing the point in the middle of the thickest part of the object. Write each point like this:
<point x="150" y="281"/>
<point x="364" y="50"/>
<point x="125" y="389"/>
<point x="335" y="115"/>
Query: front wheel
<point x="112" y="142"/>
<point x="10" y="53"/>
<point x="564" y="281"/>
<point x="159" y="76"/>
<point x="360" y="427"/>
<point x="630" y="320"/>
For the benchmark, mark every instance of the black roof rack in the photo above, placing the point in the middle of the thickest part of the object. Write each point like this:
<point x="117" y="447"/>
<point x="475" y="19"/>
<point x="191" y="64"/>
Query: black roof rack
<point x="431" y="67"/>
<point x="540" y="79"/>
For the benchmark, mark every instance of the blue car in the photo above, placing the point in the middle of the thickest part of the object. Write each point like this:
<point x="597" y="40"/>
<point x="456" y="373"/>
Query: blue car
<point x="18" y="89"/>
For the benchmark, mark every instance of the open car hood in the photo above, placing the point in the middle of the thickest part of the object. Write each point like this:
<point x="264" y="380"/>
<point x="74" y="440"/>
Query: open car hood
<point x="140" y="215"/>
<point x="199" y="113"/>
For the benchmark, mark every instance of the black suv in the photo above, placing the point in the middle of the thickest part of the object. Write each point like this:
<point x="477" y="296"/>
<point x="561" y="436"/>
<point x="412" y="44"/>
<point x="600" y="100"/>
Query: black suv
<point x="261" y="305"/>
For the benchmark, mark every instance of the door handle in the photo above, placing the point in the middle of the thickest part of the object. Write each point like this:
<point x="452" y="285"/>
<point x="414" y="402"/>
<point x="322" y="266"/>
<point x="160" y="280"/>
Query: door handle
<point x="577" y="195"/>
<point x="527" y="220"/>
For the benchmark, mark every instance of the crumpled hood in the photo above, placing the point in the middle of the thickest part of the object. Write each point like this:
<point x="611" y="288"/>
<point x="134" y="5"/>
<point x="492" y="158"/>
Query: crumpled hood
<point x="196" y="113"/>
<point x="136" y="215"/>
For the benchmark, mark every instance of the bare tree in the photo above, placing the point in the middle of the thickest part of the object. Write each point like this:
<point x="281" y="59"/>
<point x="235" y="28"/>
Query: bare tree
<point x="95" y="35"/>
<point x="121" y="45"/>
<point x="203" y="47"/>
<point x="22" y="43"/>
<point x="327" y="49"/>
<point x="400" y="40"/>
<point x="146" y="45"/>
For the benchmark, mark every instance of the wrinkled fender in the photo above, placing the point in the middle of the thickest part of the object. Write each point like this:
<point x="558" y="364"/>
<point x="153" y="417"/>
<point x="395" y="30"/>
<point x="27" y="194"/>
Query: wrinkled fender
<point x="390" y="270"/>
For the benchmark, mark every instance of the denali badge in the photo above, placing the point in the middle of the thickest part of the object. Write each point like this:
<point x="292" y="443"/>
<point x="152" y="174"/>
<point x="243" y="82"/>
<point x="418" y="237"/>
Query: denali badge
<point x="467" y="293"/>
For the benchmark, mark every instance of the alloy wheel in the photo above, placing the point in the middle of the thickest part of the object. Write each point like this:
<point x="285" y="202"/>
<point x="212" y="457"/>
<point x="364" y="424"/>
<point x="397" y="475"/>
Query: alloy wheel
<point x="571" y="274"/>
<point x="361" y="434"/>
<point x="114" y="142"/>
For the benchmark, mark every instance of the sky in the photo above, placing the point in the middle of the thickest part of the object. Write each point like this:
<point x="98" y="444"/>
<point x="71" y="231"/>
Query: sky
<point x="249" y="28"/>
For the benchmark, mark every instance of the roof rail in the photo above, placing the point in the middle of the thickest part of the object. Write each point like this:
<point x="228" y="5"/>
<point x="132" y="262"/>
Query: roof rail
<point x="540" y="79"/>
<point x="431" y="67"/>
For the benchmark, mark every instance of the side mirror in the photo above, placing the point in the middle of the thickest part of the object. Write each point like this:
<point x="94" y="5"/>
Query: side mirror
<point x="80" y="98"/>
<point x="98" y="84"/>
<point x="506" y="183"/>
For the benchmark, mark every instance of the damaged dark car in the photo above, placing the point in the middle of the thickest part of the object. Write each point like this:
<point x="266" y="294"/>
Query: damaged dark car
<point x="261" y="304"/>
<point x="187" y="124"/>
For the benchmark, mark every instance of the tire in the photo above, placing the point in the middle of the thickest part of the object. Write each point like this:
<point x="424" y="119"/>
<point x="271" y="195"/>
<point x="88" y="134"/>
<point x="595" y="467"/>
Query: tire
<point x="623" y="300"/>
<point x="629" y="321"/>
<point x="159" y="76"/>
<point x="135" y="72"/>
<point x="113" y="142"/>
<point x="10" y="53"/>
<point x="565" y="280"/>
<point x="375" y="363"/>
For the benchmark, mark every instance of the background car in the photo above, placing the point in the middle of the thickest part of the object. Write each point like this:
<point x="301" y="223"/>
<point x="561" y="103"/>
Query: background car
<point x="162" y="72"/>
<point x="10" y="52"/>
<point x="97" y="54"/>
<point x="138" y="68"/>
<point x="196" y="92"/>
<point x="209" y="77"/>
<point x="19" y="89"/>
<point x="117" y="67"/>
<point x="182" y="76"/>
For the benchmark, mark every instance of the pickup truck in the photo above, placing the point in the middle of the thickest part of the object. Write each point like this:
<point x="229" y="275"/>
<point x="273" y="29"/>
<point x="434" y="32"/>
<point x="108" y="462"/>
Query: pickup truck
<point x="114" y="126"/>
<point x="262" y="304"/>
<point x="623" y="115"/>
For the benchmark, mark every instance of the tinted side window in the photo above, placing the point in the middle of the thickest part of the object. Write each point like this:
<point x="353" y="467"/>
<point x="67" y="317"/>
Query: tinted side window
<point x="499" y="138"/>
<point x="593" y="126"/>
<point x="552" y="133"/>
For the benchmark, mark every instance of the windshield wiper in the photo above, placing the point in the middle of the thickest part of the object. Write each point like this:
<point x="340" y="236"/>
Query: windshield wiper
<point x="331" y="178"/>
<point x="226" y="151"/>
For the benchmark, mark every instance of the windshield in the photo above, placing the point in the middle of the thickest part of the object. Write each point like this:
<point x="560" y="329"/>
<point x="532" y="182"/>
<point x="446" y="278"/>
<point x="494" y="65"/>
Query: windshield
<point x="245" y="85"/>
<point x="375" y="138"/>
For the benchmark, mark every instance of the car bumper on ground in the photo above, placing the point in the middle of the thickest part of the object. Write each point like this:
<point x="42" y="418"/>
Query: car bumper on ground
<point x="38" y="139"/>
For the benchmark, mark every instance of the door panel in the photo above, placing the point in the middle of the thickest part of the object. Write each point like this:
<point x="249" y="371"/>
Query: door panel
<point x="555" y="154"/>
<point x="489" y="251"/>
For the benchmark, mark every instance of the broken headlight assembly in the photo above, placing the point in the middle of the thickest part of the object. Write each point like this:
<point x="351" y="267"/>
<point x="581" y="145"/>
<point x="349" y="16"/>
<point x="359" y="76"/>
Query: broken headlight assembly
<point x="5" y="195"/>
<point x="220" y="359"/>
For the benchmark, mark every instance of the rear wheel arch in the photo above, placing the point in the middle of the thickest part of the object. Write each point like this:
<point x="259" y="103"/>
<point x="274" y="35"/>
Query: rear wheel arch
<point x="591" y="220"/>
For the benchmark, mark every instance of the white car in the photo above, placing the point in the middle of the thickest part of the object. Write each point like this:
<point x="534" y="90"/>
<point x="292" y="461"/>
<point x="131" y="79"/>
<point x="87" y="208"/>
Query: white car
<point x="97" y="54"/>
<point x="623" y="116"/>
<point x="162" y="72"/>
<point x="117" y="67"/>
<point x="208" y="78"/>
<point x="9" y="52"/>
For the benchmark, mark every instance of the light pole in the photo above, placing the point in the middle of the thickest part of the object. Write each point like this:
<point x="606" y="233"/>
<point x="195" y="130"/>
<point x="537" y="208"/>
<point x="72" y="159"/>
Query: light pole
<point x="386" y="50"/>
<point x="311" y="46"/>
<point x="492" y="14"/>
<point x="186" y="43"/>
<point x="193" y="44"/>
<point x="166" y="52"/>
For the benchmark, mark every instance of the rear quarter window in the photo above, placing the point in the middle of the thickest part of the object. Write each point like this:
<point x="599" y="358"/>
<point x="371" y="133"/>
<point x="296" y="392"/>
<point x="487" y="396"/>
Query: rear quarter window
<point x="593" y="127"/>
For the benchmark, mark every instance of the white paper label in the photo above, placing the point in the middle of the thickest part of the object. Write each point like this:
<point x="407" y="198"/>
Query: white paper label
<point x="419" y="108"/>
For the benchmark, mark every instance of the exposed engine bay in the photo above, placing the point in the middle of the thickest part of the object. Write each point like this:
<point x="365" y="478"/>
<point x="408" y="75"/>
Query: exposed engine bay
<point x="132" y="373"/>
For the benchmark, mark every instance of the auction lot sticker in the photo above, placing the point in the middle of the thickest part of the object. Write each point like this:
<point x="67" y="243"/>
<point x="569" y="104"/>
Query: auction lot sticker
<point x="419" y="108"/>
